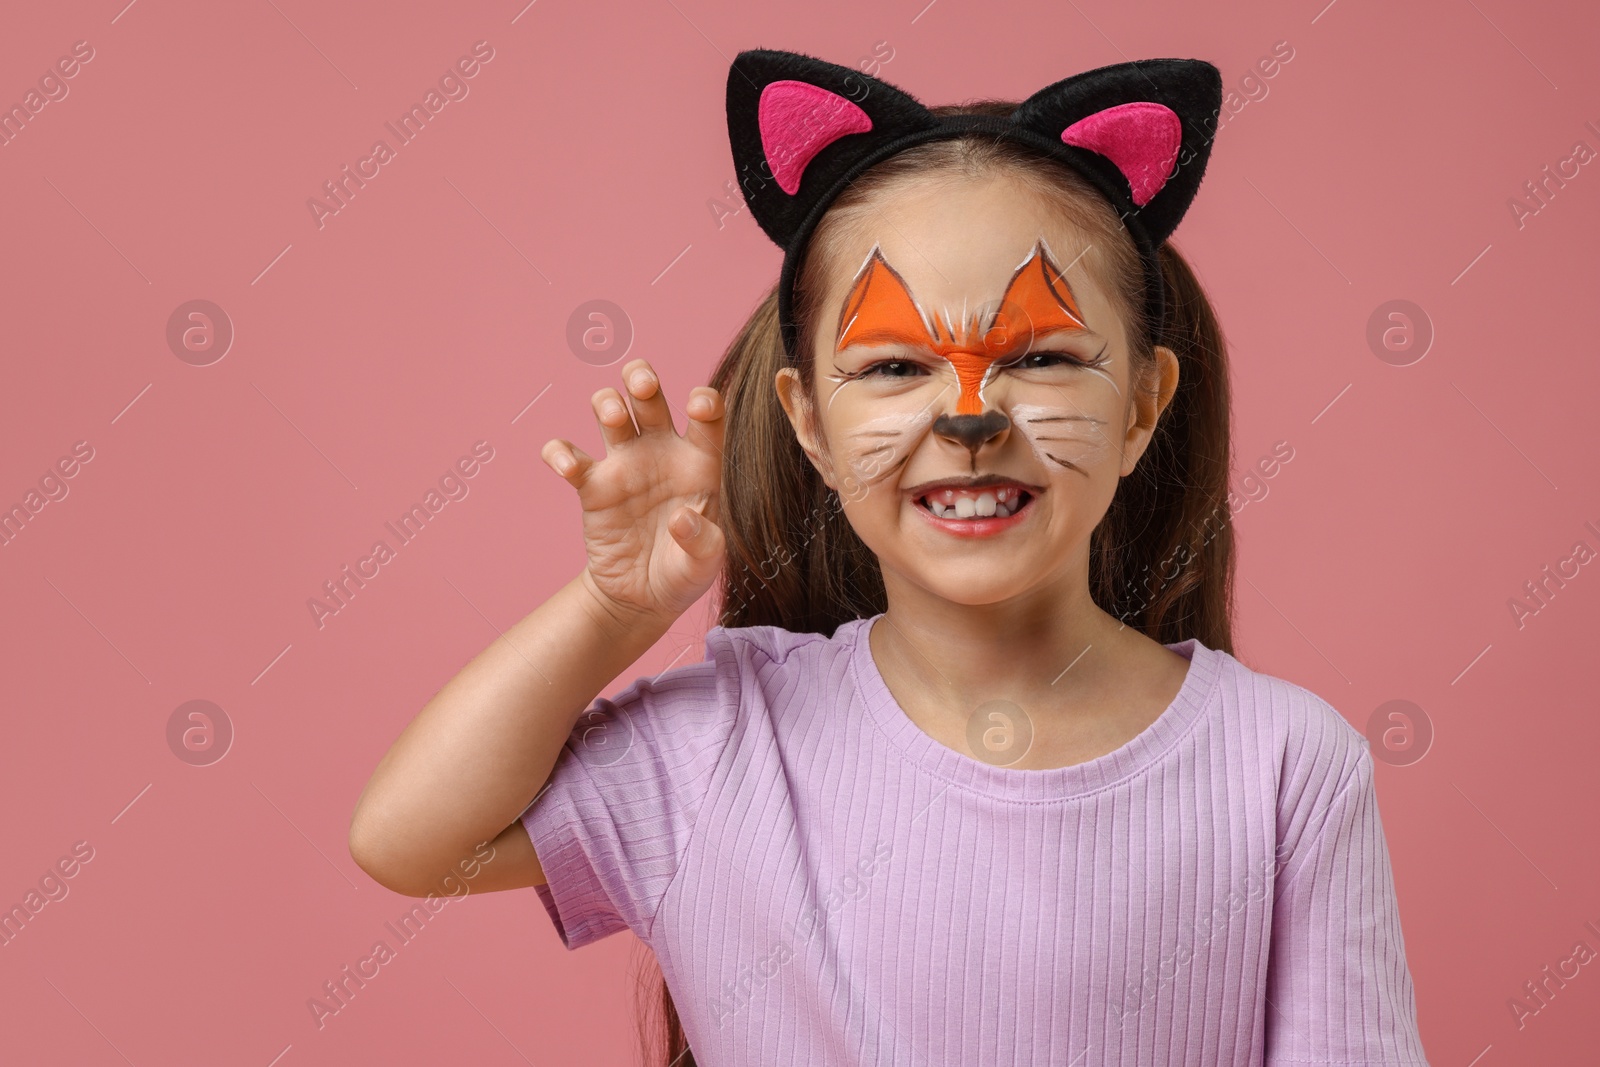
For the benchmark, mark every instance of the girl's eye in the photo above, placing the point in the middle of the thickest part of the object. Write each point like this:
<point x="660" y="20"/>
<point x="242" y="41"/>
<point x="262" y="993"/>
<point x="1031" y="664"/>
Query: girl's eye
<point x="1040" y="360"/>
<point x="892" y="368"/>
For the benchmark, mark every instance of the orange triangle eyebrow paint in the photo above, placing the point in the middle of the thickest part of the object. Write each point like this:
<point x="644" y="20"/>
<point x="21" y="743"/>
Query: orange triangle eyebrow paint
<point x="880" y="310"/>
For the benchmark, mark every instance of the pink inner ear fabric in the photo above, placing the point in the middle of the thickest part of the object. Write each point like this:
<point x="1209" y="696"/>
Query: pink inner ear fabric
<point x="798" y="120"/>
<point x="1141" y="138"/>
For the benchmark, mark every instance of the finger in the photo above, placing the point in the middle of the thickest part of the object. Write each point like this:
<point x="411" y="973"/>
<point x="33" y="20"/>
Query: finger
<point x="567" y="460"/>
<point x="616" y="425"/>
<point x="706" y="413"/>
<point x="697" y="535"/>
<point x="650" y="408"/>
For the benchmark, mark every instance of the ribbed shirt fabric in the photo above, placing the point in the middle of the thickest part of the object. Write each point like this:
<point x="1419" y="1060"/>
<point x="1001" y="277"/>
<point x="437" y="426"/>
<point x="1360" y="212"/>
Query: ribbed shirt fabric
<point x="824" y="883"/>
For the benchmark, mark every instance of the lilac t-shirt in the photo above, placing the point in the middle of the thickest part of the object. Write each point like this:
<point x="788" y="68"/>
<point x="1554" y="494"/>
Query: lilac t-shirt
<point x="824" y="883"/>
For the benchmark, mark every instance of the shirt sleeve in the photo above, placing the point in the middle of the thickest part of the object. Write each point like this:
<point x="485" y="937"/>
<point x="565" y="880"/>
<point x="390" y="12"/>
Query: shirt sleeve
<point x="612" y="824"/>
<point x="1338" y="987"/>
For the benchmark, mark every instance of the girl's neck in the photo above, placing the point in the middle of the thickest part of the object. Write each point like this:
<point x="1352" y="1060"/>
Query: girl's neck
<point x="1053" y="651"/>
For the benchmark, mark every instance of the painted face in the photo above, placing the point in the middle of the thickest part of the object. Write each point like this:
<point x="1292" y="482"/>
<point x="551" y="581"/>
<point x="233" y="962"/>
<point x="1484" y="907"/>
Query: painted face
<point x="974" y="410"/>
<point x="1035" y="334"/>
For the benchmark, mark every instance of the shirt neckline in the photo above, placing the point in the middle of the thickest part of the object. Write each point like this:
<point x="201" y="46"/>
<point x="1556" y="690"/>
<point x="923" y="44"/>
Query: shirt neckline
<point x="1051" y="783"/>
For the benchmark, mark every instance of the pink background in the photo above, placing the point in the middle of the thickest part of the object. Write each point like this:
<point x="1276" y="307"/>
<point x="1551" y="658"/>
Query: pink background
<point x="373" y="352"/>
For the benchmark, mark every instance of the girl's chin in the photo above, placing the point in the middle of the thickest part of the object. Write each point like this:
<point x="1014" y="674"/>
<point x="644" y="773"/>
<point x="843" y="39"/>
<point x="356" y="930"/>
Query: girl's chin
<point x="971" y="590"/>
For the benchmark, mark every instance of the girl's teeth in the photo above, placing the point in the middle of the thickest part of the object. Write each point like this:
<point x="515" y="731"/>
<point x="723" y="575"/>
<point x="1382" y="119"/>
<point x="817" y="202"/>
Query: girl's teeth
<point x="987" y="504"/>
<point x="1006" y="494"/>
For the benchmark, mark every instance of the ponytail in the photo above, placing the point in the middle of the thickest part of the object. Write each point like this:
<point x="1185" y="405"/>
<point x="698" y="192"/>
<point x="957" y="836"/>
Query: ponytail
<point x="793" y="559"/>
<point x="1161" y="559"/>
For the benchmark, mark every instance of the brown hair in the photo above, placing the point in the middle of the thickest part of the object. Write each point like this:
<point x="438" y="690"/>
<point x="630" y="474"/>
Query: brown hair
<point x="1161" y="559"/>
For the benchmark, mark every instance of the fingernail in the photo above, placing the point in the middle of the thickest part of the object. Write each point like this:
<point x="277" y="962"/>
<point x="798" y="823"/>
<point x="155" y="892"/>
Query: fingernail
<point x="641" y="381"/>
<point x="563" y="464"/>
<point x="690" y="522"/>
<point x="611" y="409"/>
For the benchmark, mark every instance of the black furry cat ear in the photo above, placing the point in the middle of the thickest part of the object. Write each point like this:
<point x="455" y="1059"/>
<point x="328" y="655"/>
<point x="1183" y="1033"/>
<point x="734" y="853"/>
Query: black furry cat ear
<point x="1141" y="130"/>
<point x="797" y="125"/>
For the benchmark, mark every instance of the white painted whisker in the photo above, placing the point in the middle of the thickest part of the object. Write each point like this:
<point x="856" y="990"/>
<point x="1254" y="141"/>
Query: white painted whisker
<point x="1100" y="371"/>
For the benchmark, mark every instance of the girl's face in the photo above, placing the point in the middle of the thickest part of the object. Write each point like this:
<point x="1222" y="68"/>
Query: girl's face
<point x="975" y="407"/>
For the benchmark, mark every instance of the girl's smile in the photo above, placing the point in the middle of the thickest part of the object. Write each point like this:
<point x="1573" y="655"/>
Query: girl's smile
<point x="978" y="507"/>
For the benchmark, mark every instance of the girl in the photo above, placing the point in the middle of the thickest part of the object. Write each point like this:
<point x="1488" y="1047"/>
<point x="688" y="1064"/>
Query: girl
<point x="969" y="773"/>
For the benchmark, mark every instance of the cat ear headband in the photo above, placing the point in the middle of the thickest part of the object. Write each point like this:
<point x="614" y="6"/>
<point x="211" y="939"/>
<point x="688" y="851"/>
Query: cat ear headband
<point x="801" y="129"/>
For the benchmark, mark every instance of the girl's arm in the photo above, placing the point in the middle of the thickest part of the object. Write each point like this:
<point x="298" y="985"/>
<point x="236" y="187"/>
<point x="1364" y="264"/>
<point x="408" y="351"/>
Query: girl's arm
<point x="474" y="757"/>
<point x="1339" y="989"/>
<point x="449" y="791"/>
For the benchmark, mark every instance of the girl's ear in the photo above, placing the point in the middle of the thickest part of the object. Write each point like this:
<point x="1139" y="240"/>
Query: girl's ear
<point x="1149" y="400"/>
<point x="802" y="418"/>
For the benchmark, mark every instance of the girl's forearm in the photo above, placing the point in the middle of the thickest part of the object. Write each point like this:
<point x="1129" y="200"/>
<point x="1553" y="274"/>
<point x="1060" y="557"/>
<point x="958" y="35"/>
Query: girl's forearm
<point x="475" y="756"/>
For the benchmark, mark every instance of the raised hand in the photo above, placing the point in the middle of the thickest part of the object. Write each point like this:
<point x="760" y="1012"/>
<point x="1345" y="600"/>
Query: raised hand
<point x="650" y="506"/>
